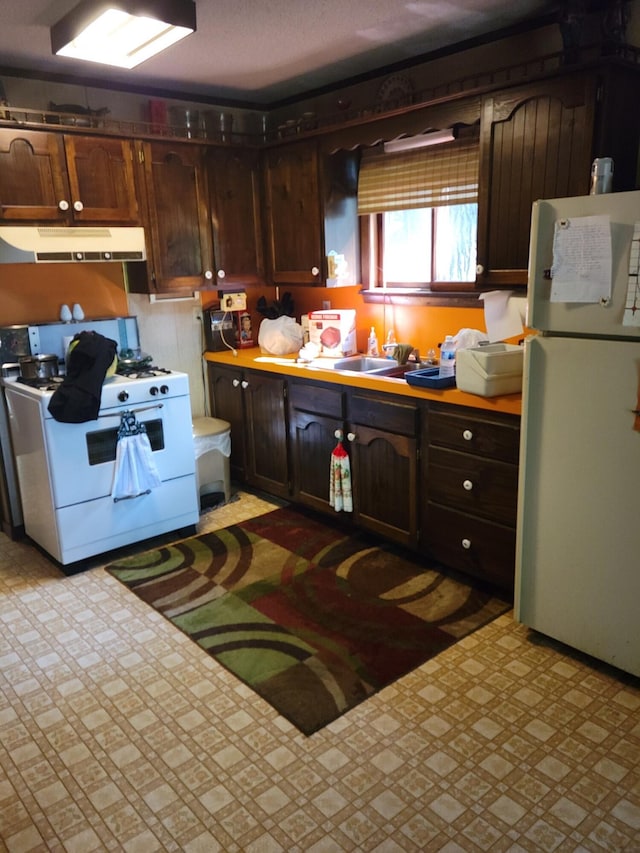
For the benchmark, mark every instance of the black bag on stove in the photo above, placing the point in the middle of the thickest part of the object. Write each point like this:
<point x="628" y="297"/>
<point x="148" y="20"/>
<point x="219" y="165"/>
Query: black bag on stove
<point x="77" y="399"/>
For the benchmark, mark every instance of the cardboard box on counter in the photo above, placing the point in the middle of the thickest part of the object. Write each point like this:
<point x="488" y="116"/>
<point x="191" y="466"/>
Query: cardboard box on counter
<point x="334" y="332"/>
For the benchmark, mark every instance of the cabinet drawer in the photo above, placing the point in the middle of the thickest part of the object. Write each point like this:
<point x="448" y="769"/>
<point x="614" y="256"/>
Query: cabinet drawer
<point x="492" y="437"/>
<point x="473" y="484"/>
<point x="312" y="398"/>
<point x="389" y="415"/>
<point x="479" y="548"/>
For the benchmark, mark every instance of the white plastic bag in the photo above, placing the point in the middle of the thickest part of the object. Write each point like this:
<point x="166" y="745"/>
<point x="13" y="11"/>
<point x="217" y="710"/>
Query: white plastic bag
<point x="280" y="336"/>
<point x="467" y="338"/>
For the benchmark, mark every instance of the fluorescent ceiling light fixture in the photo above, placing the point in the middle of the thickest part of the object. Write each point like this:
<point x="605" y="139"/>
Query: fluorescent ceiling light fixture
<point x="123" y="33"/>
<point x="423" y="140"/>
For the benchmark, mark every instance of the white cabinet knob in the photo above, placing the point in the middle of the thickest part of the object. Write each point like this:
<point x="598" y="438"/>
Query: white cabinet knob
<point x="338" y="434"/>
<point x="466" y="544"/>
<point x="78" y="206"/>
<point x="235" y="383"/>
<point x="351" y="436"/>
<point x="208" y="275"/>
<point x="244" y="383"/>
<point x="467" y="435"/>
<point x="221" y="273"/>
<point x="467" y="485"/>
<point x="314" y="270"/>
<point x="479" y="269"/>
<point x="63" y="204"/>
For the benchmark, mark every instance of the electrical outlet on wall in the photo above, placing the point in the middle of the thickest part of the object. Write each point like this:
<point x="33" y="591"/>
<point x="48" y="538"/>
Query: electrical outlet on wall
<point x="233" y="301"/>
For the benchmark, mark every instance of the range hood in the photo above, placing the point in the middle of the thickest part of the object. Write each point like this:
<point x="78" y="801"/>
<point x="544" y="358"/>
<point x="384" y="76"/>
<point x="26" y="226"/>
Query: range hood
<point x="25" y="244"/>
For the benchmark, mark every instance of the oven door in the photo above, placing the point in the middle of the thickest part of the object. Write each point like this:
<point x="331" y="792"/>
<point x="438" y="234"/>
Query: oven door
<point x="81" y="457"/>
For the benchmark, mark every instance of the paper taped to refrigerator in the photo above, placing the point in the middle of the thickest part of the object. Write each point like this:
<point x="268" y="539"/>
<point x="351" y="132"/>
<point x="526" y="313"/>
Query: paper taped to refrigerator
<point x="632" y="307"/>
<point x="581" y="270"/>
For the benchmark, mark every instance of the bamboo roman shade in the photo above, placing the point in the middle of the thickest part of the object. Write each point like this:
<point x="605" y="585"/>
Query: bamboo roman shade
<point x="428" y="177"/>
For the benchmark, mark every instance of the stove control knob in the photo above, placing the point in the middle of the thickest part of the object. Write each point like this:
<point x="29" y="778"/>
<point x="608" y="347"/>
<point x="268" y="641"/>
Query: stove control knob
<point x="153" y="390"/>
<point x="164" y="389"/>
<point x="123" y="396"/>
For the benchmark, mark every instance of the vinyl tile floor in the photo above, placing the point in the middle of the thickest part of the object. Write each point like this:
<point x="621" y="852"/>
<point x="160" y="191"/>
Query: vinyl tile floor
<point x="117" y="733"/>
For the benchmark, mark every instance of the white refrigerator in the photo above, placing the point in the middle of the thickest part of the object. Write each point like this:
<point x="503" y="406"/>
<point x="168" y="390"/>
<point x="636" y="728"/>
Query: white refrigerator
<point x="578" y="541"/>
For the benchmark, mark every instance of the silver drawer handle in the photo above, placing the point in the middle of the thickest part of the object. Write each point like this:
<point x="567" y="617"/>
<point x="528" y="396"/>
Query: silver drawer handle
<point x="467" y="435"/>
<point x="467" y="485"/>
<point x="466" y="544"/>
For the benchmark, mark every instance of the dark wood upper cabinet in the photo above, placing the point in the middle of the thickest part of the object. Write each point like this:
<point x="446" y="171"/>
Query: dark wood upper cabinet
<point x="293" y="214"/>
<point x="53" y="177"/>
<point x="234" y="179"/>
<point x="538" y="141"/>
<point x="535" y="142"/>
<point x="179" y="248"/>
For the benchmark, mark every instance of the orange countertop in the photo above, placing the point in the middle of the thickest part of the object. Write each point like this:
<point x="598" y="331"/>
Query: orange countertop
<point x="287" y="365"/>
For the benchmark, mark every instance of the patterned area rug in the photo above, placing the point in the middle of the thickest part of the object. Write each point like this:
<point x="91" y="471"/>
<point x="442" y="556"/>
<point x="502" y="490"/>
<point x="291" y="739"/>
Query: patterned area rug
<point x="313" y="618"/>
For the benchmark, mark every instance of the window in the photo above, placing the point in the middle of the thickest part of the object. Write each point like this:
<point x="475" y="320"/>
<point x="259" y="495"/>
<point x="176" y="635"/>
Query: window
<point x="419" y="211"/>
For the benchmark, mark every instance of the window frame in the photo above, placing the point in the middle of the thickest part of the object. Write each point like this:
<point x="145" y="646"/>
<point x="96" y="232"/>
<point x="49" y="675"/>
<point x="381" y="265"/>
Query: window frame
<point x="371" y="243"/>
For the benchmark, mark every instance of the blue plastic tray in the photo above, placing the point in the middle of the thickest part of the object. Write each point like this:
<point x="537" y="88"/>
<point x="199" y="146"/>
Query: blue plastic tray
<point x="429" y="378"/>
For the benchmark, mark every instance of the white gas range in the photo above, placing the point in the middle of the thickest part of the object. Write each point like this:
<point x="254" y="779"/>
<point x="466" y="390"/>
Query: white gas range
<point x="66" y="471"/>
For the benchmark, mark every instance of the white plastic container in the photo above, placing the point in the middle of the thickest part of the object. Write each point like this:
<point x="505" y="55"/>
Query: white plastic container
<point x="490" y="370"/>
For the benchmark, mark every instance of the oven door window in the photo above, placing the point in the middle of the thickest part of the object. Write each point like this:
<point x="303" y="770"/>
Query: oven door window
<point x="101" y="445"/>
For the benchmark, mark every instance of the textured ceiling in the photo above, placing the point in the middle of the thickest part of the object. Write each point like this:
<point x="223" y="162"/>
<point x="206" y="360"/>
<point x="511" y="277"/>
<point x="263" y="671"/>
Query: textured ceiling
<point x="264" y="52"/>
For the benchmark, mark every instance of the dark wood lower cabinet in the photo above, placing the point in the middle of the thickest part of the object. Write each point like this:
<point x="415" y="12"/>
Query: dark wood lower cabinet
<point x="470" y="472"/>
<point x="471" y="544"/>
<point x="435" y="478"/>
<point x="316" y="413"/>
<point x="254" y="404"/>
<point x="266" y="448"/>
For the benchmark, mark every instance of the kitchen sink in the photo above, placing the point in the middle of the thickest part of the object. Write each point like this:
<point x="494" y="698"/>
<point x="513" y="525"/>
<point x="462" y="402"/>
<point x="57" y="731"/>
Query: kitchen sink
<point x="375" y="366"/>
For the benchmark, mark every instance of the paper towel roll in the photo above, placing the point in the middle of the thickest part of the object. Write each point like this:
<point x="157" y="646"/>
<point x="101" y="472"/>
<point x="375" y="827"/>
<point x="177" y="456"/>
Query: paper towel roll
<point x="504" y="314"/>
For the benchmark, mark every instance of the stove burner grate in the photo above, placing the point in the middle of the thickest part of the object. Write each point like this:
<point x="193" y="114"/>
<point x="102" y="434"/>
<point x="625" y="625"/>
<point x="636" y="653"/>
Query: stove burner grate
<point x="142" y="372"/>
<point x="43" y="383"/>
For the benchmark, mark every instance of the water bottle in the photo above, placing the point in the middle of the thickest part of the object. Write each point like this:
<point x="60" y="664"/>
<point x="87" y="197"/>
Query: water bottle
<point x="447" y="358"/>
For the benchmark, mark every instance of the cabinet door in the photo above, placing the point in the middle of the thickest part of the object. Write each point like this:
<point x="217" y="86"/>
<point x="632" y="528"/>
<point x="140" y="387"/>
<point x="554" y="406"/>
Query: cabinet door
<point x="313" y="438"/>
<point x="101" y="179"/>
<point x="181" y="253"/>
<point x="535" y="142"/>
<point x="316" y="413"/>
<point x="33" y="180"/>
<point x="384" y="476"/>
<point x="293" y="214"/>
<point x="235" y="200"/>
<point x="267" y="455"/>
<point x="384" y="465"/>
<point x="225" y="392"/>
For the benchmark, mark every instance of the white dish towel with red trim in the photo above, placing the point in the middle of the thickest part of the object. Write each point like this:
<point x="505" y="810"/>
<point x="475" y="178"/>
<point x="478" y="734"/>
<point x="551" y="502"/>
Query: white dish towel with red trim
<point x="340" y="496"/>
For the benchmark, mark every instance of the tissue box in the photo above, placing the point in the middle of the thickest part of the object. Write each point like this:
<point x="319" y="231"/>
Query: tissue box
<point x="334" y="332"/>
<point x="490" y="370"/>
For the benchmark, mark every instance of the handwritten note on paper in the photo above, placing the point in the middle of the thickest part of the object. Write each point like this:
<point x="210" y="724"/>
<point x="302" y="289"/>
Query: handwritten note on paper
<point x="581" y="270"/>
<point x="631" y="315"/>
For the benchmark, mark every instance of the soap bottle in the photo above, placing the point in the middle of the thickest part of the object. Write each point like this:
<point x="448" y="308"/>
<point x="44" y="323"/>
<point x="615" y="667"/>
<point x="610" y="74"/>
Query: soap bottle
<point x="373" y="349"/>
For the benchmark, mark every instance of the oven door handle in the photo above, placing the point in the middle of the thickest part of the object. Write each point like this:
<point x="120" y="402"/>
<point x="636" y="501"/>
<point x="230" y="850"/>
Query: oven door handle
<point x="133" y="411"/>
